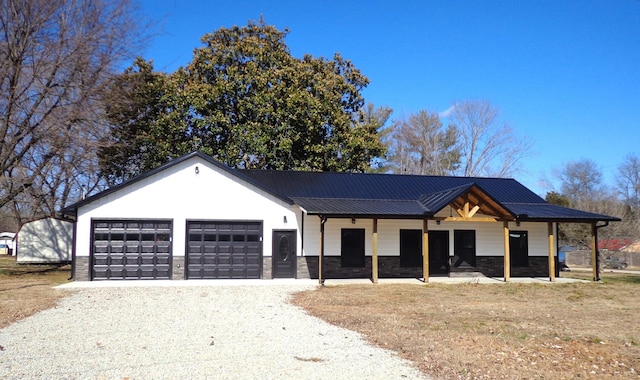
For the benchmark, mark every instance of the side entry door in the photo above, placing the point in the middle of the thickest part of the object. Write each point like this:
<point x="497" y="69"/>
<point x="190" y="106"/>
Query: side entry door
<point x="284" y="254"/>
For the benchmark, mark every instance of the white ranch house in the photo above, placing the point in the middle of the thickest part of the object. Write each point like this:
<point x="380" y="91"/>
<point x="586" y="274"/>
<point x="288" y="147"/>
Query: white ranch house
<point x="194" y="218"/>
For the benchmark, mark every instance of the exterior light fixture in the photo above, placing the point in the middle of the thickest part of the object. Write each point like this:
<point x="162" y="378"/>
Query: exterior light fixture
<point x="437" y="222"/>
<point x="284" y="219"/>
<point x="353" y="220"/>
<point x="197" y="170"/>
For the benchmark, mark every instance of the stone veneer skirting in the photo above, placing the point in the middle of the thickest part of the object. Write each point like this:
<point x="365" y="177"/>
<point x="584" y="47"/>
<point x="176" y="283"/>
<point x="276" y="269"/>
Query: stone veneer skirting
<point x="177" y="268"/>
<point x="81" y="269"/>
<point x="388" y="267"/>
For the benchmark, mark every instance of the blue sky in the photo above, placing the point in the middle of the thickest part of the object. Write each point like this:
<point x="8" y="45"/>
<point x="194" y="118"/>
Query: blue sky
<point x="566" y="73"/>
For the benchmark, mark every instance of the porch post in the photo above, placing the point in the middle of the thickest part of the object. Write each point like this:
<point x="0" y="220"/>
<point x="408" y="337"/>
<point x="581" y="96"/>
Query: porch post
<point x="507" y="252"/>
<point x="425" y="250"/>
<point x="321" y="255"/>
<point x="374" y="257"/>
<point x="594" y="252"/>
<point x="552" y="256"/>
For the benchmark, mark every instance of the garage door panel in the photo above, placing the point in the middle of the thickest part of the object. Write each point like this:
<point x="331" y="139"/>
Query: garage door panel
<point x="147" y="249"/>
<point x="222" y="260"/>
<point x="251" y="273"/>
<point x="238" y="260"/>
<point x="208" y="273"/>
<point x="193" y="260"/>
<point x="252" y="260"/>
<point x="131" y="250"/>
<point x="224" y="249"/>
<point x="115" y="260"/>
<point x="223" y="272"/>
<point x="101" y="260"/>
<point x="101" y="272"/>
<point x="149" y="260"/>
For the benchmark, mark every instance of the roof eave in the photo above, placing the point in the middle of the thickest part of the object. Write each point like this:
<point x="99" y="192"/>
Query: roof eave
<point x="370" y="216"/>
<point x="73" y="208"/>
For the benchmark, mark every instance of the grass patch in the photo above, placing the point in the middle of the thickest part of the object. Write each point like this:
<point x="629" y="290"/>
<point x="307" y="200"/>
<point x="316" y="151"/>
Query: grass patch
<point x="27" y="289"/>
<point x="507" y="331"/>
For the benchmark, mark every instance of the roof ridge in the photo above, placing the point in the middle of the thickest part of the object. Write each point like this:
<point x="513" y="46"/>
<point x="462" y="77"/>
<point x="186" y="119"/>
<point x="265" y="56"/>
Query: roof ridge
<point x="361" y="199"/>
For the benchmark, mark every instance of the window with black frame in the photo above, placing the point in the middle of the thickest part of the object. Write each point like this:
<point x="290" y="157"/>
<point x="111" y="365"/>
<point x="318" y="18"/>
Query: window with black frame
<point x="352" y="247"/>
<point x="519" y="248"/>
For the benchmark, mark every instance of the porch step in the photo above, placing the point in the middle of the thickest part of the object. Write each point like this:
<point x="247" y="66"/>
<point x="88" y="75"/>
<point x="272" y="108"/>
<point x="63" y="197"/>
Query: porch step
<point x="466" y="274"/>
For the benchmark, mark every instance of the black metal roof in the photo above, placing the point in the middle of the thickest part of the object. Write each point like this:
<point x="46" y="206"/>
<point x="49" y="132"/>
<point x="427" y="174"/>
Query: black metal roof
<point x="341" y="207"/>
<point x="381" y="195"/>
<point x="407" y="196"/>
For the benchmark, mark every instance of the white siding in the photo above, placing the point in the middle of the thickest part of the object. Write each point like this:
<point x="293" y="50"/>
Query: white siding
<point x="46" y="240"/>
<point x="180" y="194"/>
<point x="489" y="235"/>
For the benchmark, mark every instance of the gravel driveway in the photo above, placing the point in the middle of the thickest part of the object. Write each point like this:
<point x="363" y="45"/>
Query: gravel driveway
<point x="204" y="332"/>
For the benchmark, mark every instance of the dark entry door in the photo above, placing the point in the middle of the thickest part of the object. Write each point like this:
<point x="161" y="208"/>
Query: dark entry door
<point x="284" y="254"/>
<point x="410" y="248"/>
<point x="464" y="248"/>
<point x="438" y="252"/>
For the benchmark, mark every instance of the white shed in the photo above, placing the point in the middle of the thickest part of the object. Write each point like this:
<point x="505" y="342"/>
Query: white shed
<point x="7" y="243"/>
<point x="48" y="240"/>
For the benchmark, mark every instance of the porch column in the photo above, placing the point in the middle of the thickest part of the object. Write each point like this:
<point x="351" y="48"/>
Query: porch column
<point x="552" y="256"/>
<point x="321" y="254"/>
<point x="425" y="250"/>
<point x="507" y="253"/>
<point x="374" y="257"/>
<point x="594" y="252"/>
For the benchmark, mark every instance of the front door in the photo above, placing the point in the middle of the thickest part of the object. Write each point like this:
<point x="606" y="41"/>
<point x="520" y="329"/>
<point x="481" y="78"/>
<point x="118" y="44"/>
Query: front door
<point x="284" y="254"/>
<point x="438" y="252"/>
<point x="464" y="248"/>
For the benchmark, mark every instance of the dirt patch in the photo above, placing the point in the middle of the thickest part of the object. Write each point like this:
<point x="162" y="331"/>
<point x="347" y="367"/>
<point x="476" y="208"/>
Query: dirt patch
<point x="27" y="289"/>
<point x="509" y="331"/>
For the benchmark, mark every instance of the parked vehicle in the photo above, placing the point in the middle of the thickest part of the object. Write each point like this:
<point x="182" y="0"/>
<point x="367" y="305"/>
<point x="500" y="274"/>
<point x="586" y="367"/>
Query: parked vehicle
<point x="615" y="263"/>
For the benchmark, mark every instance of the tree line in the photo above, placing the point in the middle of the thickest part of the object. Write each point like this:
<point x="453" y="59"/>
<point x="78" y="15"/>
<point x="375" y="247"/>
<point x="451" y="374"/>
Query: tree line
<point x="74" y="123"/>
<point x="582" y="187"/>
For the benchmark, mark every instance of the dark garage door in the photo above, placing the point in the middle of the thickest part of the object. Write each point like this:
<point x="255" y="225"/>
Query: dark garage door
<point x="224" y="249"/>
<point x="131" y="250"/>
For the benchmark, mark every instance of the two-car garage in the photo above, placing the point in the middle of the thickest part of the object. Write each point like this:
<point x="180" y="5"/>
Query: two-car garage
<point x="142" y="249"/>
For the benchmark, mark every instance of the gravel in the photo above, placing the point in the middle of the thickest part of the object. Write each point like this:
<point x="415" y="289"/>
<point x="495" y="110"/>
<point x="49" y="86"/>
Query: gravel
<point x="203" y="332"/>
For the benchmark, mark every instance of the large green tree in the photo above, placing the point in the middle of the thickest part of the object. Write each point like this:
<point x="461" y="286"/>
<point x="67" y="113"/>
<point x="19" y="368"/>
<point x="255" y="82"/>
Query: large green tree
<point x="248" y="102"/>
<point x="151" y="120"/>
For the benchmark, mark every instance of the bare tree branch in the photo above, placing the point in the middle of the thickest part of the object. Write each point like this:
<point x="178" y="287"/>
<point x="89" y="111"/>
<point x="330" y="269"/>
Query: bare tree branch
<point x="55" y="59"/>
<point x="488" y="147"/>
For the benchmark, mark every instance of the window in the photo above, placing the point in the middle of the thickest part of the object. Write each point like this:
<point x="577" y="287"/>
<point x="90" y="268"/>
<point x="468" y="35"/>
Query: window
<point x="352" y="247"/>
<point x="410" y="248"/>
<point x="519" y="248"/>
